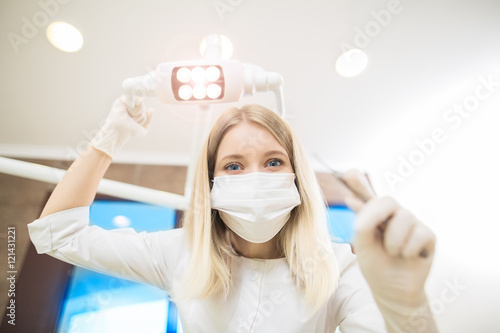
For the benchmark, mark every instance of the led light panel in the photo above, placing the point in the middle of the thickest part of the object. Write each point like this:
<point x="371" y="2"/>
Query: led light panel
<point x="198" y="83"/>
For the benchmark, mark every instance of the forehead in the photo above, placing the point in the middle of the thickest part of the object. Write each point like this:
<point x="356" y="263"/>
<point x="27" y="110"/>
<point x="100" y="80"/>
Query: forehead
<point x="248" y="137"/>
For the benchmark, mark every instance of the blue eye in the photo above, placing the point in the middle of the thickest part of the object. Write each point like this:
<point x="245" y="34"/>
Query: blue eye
<point x="274" y="163"/>
<point x="233" y="167"/>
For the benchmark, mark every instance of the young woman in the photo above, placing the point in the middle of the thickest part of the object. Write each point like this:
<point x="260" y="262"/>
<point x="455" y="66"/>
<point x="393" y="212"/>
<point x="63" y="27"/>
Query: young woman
<point x="254" y="253"/>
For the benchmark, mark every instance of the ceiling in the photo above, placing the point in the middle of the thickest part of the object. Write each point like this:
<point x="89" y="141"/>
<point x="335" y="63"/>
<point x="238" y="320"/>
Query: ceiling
<point x="427" y="60"/>
<point x="427" y="55"/>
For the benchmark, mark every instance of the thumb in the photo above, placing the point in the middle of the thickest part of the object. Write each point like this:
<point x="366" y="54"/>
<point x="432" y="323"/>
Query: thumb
<point x="137" y="110"/>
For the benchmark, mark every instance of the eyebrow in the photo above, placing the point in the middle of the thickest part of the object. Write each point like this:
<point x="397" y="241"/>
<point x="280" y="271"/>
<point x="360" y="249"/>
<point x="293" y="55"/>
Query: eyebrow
<point x="275" y="152"/>
<point x="232" y="156"/>
<point x="268" y="153"/>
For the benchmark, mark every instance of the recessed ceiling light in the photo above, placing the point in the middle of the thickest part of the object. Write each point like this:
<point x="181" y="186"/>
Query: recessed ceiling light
<point x="64" y="36"/>
<point x="351" y="63"/>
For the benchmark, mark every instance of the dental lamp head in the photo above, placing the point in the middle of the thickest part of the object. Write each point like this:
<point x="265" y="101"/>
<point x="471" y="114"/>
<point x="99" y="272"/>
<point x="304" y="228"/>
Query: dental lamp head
<point x="205" y="81"/>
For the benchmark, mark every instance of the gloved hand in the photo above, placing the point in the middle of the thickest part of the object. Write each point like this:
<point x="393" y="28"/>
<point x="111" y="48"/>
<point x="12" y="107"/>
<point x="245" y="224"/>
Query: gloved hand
<point x="395" y="252"/>
<point x="121" y="125"/>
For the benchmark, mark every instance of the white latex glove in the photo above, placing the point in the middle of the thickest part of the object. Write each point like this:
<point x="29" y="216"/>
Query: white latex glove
<point x="121" y="125"/>
<point x="395" y="252"/>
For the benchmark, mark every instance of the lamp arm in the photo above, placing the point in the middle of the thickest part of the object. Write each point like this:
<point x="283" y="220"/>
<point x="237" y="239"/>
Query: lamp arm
<point x="257" y="79"/>
<point x="275" y="84"/>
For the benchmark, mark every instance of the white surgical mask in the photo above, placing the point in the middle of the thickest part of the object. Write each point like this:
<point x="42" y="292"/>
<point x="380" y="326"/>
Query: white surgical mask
<point x="256" y="205"/>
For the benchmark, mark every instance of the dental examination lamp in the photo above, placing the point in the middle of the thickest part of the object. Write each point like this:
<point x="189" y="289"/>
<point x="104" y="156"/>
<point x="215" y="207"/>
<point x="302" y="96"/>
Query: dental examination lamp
<point x="205" y="81"/>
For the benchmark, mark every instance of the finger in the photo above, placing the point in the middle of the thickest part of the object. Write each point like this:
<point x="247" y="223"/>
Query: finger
<point x="421" y="240"/>
<point x="354" y="203"/>
<point x="397" y="231"/>
<point x="127" y="101"/>
<point x="359" y="184"/>
<point x="374" y="213"/>
<point x="149" y="115"/>
<point x="138" y="112"/>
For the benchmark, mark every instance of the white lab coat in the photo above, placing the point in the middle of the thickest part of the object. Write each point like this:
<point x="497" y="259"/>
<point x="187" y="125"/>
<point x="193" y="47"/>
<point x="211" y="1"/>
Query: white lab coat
<point x="263" y="297"/>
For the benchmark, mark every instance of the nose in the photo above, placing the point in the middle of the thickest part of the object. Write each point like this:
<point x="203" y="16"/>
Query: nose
<point x="253" y="168"/>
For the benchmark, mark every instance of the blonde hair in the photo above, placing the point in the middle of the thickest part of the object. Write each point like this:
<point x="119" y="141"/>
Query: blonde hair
<point x="304" y="240"/>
